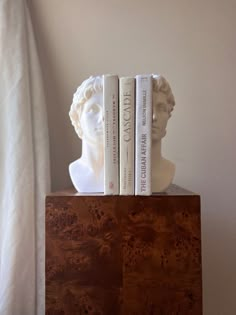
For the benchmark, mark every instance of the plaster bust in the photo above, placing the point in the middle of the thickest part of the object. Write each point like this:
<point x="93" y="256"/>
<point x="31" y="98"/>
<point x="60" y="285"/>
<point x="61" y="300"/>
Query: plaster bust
<point x="86" y="114"/>
<point x="163" y="170"/>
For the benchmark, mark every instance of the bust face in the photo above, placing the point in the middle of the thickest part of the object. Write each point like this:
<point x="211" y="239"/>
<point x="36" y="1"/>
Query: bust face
<point x="160" y="115"/>
<point x="91" y="120"/>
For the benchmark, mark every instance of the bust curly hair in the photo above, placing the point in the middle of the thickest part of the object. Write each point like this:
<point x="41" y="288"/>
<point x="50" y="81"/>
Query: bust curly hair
<point x="160" y="84"/>
<point x="84" y="92"/>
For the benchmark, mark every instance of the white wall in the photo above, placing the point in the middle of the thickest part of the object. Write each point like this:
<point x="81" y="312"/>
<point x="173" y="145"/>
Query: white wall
<point x="193" y="44"/>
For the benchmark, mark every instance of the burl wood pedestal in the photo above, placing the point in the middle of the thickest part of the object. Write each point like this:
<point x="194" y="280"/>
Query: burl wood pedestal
<point x="113" y="255"/>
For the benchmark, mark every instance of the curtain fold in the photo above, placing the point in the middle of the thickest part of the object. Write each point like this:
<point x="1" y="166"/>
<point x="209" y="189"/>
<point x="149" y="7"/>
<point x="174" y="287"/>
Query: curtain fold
<point x="24" y="164"/>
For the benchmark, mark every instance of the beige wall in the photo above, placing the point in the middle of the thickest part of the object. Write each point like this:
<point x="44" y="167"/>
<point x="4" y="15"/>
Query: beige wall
<point x="193" y="44"/>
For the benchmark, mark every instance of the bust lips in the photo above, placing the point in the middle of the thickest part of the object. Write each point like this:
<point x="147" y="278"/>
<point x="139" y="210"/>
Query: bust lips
<point x="155" y="129"/>
<point x="99" y="130"/>
<point x="157" y="133"/>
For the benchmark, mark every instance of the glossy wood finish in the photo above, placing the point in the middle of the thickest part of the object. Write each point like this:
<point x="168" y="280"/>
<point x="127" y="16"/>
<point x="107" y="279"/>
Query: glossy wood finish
<point x="108" y="255"/>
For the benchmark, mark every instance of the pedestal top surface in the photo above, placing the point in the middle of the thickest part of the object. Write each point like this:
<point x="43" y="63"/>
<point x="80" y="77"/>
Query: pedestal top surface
<point x="173" y="190"/>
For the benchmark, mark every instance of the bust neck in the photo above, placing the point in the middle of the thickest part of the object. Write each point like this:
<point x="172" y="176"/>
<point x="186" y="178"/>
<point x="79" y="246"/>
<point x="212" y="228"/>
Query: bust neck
<point x="156" y="153"/>
<point x="162" y="170"/>
<point x="93" y="156"/>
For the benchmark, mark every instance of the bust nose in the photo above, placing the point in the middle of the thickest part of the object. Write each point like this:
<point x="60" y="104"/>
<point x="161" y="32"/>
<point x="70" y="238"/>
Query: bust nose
<point x="154" y="115"/>
<point x="101" y="118"/>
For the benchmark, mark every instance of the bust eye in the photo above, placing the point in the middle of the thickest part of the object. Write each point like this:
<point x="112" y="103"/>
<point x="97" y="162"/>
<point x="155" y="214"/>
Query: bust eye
<point x="93" y="109"/>
<point x="162" y="107"/>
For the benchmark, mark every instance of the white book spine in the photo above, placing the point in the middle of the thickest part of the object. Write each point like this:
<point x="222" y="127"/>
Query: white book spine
<point x="127" y="123"/>
<point x="111" y="135"/>
<point x="143" y="140"/>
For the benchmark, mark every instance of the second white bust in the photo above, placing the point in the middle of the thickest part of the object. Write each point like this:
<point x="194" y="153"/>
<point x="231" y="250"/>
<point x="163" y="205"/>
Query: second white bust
<point x="86" y="114"/>
<point x="163" y="102"/>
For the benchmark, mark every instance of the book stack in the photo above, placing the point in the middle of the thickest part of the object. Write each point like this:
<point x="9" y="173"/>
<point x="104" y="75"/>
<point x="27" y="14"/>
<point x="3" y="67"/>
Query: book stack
<point x="127" y="105"/>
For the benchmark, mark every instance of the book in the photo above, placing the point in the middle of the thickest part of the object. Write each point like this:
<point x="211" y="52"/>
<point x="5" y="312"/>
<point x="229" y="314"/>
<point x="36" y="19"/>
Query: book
<point x="143" y="135"/>
<point x="126" y="133"/>
<point x="111" y="135"/>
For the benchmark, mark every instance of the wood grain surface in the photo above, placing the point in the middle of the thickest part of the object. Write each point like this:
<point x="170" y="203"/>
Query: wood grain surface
<point x="129" y="255"/>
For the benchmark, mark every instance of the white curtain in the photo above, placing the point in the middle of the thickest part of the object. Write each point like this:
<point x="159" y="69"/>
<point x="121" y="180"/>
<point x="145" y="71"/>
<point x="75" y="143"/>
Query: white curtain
<point x="24" y="165"/>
